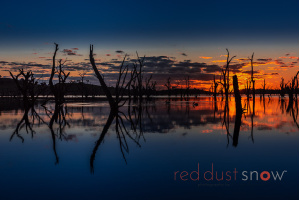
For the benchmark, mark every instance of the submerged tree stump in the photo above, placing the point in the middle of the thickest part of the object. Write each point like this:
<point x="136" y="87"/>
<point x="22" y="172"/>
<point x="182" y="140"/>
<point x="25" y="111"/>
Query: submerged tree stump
<point x="238" y="111"/>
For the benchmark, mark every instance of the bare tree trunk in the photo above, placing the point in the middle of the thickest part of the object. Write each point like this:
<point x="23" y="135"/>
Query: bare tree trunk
<point x="215" y="88"/>
<point x="253" y="83"/>
<point x="111" y="101"/>
<point x="238" y="111"/>
<point x="226" y="76"/>
<point x="52" y="74"/>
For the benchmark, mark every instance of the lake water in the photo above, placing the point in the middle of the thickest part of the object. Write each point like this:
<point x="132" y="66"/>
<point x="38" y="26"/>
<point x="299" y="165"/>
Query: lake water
<point x="149" y="151"/>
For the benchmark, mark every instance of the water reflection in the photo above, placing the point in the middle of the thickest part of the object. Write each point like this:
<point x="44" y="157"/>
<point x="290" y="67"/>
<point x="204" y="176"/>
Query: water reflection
<point x="134" y="122"/>
<point x="134" y="118"/>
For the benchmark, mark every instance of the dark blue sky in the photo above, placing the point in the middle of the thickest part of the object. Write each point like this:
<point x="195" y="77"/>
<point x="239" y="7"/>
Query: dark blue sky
<point x="149" y="22"/>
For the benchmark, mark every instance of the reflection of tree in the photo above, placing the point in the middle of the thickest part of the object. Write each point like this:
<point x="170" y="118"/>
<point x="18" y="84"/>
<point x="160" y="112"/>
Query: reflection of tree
<point x="134" y="118"/>
<point x="251" y="112"/>
<point x="101" y="138"/>
<point x="27" y="121"/>
<point x="264" y="102"/>
<point x="215" y="108"/>
<point x="59" y="116"/>
<point x="238" y="111"/>
<point x="237" y="125"/>
<point x="226" y="121"/>
<point x="291" y="89"/>
<point x="282" y="105"/>
<point x="187" y="109"/>
<point x="252" y="118"/>
<point x="30" y="91"/>
<point x="59" y="91"/>
<point x="293" y="110"/>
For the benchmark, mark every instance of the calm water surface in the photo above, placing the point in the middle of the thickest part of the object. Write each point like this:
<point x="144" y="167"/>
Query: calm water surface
<point x="144" y="146"/>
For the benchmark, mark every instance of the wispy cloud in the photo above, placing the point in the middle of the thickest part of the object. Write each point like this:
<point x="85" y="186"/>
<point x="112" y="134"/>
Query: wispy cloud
<point x="120" y="51"/>
<point x="183" y="54"/>
<point x="71" y="52"/>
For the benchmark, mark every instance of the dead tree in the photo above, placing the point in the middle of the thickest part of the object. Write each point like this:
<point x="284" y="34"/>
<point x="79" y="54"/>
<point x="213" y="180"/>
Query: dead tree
<point x="264" y="88"/>
<point x="122" y="83"/>
<point x="215" y="88"/>
<point x="27" y="86"/>
<point x="113" y="104"/>
<point x="187" y="87"/>
<point x="282" y="88"/>
<point x="291" y="90"/>
<point x="247" y="89"/>
<point x="238" y="111"/>
<point x="238" y="103"/>
<point x="30" y="90"/>
<point x="221" y="88"/>
<point x="137" y="79"/>
<point x="169" y="87"/>
<point x="52" y="75"/>
<point x="180" y="89"/>
<point x="83" y="89"/>
<point x="59" y="89"/>
<point x="140" y="77"/>
<point x="225" y="73"/>
<point x="149" y="87"/>
<point x="252" y="79"/>
<point x="132" y="89"/>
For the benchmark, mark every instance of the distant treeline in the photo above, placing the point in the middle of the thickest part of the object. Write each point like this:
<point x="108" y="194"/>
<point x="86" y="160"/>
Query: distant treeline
<point x="8" y="88"/>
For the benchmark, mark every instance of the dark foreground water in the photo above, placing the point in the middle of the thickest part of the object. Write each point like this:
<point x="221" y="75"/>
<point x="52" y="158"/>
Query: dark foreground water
<point x="150" y="151"/>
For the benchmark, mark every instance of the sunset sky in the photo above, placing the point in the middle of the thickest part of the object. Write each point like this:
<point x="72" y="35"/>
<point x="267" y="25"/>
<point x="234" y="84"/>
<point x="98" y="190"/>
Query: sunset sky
<point x="178" y="38"/>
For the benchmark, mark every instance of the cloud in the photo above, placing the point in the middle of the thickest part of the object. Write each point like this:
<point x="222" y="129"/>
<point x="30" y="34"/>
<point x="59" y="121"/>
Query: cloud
<point x="242" y="59"/>
<point x="183" y="54"/>
<point x="279" y="62"/>
<point x="204" y="57"/>
<point x="293" y="57"/>
<point x="249" y="72"/>
<point x="71" y="52"/>
<point x="213" y="68"/>
<point x="67" y="51"/>
<point x="237" y="67"/>
<point x="119" y="51"/>
<point x="264" y="59"/>
<point x="287" y="66"/>
<point x="272" y="74"/>
<point x="218" y="61"/>
<point x="160" y="66"/>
